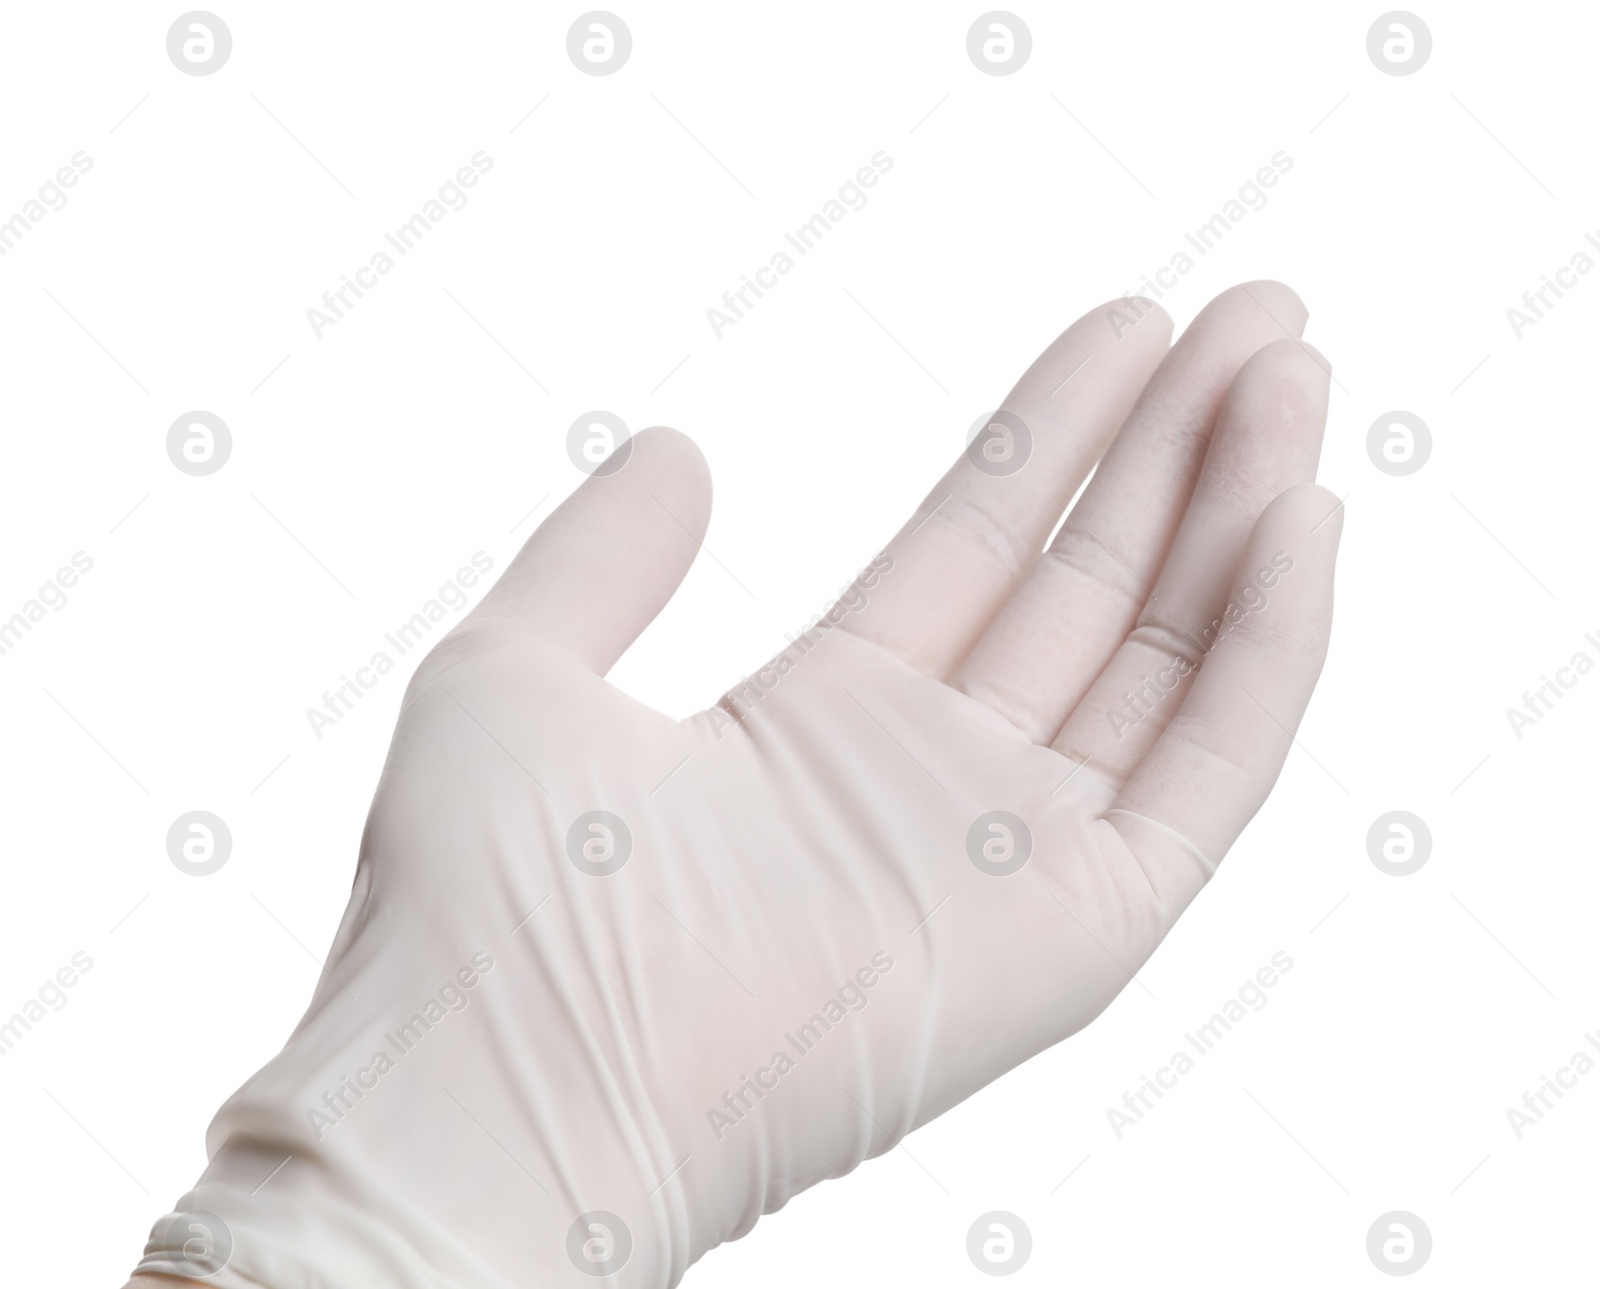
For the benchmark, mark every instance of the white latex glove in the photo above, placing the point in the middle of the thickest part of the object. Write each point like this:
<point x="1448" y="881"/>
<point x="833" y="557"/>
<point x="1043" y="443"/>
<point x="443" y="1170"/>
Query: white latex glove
<point x="818" y="924"/>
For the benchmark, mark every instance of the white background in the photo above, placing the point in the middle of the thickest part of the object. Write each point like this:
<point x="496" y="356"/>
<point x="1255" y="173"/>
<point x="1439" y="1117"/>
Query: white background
<point x="423" y="428"/>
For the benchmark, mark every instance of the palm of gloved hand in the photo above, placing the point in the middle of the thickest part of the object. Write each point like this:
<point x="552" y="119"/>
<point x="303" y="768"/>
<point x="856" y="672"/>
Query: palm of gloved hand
<point x="671" y="973"/>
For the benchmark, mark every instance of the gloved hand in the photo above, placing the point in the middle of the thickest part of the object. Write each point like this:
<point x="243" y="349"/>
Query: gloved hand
<point x="611" y="986"/>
